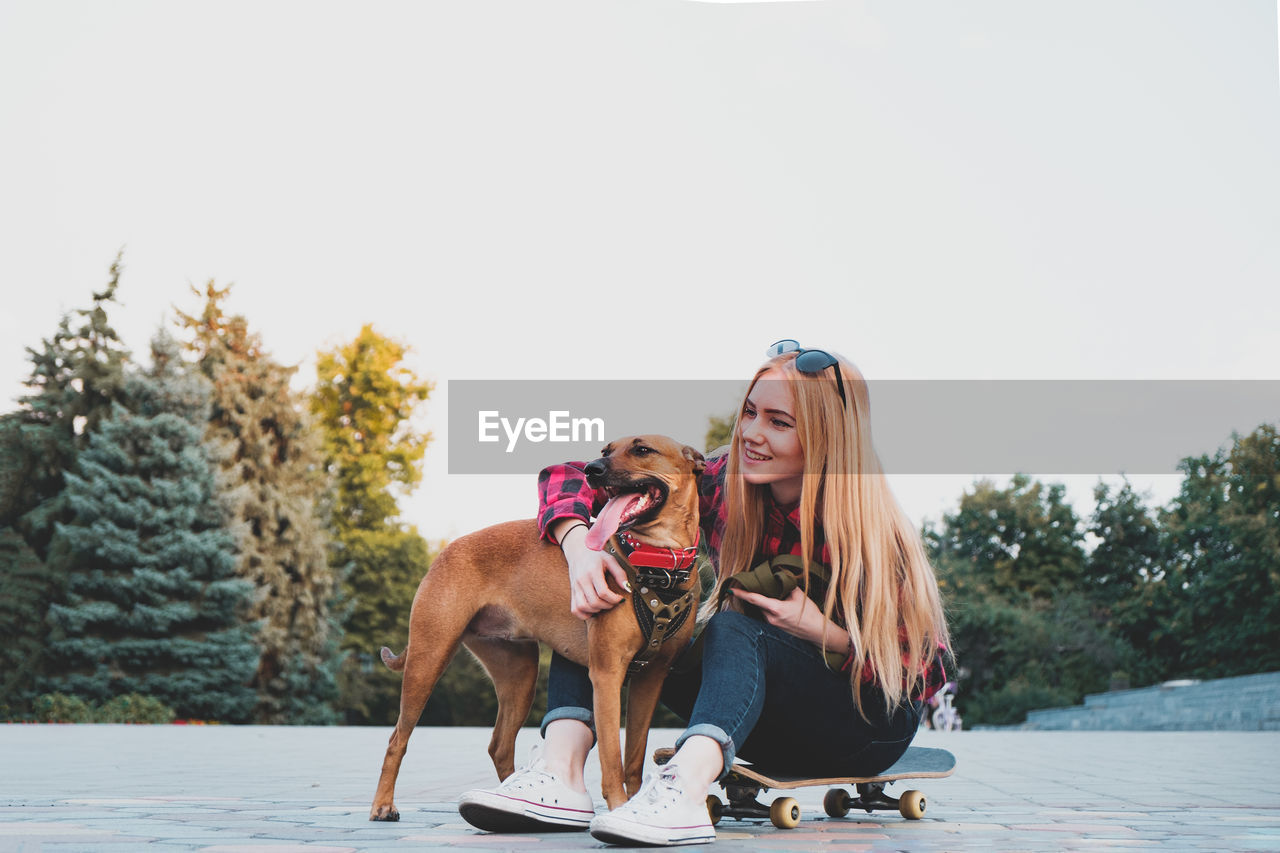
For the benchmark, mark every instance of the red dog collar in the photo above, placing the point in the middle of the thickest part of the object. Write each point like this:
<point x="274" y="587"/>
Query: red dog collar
<point x="646" y="556"/>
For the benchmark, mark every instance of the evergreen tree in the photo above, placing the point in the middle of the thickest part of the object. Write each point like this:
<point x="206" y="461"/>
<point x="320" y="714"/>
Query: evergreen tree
<point x="24" y="596"/>
<point x="275" y="486"/>
<point x="364" y="401"/>
<point x="153" y="605"/>
<point x="76" y="378"/>
<point x="76" y="375"/>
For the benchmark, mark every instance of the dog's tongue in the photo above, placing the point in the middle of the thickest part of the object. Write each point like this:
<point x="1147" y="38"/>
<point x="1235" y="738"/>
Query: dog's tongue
<point x="607" y="521"/>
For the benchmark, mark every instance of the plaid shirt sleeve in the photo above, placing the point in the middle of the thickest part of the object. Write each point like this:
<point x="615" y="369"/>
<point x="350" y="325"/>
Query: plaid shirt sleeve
<point x="711" y="504"/>
<point x="935" y="676"/>
<point x="563" y="493"/>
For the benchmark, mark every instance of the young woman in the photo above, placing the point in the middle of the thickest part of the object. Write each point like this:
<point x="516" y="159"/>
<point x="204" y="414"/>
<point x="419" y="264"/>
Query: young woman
<point x="828" y="680"/>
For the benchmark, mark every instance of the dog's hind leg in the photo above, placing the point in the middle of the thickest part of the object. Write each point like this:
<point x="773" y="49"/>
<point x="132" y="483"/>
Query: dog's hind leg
<point x="435" y="631"/>
<point x="513" y="668"/>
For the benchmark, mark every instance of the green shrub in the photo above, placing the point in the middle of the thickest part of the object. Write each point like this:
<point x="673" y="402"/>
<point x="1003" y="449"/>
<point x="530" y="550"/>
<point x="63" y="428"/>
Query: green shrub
<point x="61" y="708"/>
<point x="130" y="708"/>
<point x="134" y="708"/>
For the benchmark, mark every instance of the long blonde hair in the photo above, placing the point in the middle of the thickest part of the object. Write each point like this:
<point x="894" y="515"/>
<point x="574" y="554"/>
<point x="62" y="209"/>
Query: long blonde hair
<point x="882" y="588"/>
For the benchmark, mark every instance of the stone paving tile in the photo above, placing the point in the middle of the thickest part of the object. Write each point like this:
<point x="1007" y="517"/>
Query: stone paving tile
<point x="246" y="788"/>
<point x="127" y="847"/>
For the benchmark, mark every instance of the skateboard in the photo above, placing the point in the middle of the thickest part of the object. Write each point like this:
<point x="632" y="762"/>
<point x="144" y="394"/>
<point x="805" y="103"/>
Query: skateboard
<point x="744" y="783"/>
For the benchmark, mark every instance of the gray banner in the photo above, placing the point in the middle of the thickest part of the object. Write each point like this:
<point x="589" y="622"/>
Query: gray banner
<point x="918" y="426"/>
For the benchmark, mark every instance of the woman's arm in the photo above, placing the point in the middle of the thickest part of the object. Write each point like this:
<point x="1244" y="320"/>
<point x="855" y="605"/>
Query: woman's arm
<point x="565" y="506"/>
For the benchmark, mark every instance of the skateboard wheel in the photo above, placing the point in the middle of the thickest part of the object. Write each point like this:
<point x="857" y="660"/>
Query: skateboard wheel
<point x="911" y="805"/>
<point x="836" y="802"/>
<point x="715" y="808"/>
<point x="784" y="813"/>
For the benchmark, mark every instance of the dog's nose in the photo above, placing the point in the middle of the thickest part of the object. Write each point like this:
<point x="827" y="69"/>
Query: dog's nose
<point x="595" y="470"/>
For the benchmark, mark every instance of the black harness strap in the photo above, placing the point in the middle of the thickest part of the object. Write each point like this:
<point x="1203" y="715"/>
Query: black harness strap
<point x="660" y="606"/>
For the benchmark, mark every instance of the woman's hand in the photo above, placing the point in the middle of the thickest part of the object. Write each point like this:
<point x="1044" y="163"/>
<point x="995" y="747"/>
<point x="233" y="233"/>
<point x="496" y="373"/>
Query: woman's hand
<point x="588" y="570"/>
<point x="797" y="615"/>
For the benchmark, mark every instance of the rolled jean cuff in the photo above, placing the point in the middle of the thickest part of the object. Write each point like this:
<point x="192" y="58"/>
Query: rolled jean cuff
<point x="718" y="735"/>
<point x="568" y="712"/>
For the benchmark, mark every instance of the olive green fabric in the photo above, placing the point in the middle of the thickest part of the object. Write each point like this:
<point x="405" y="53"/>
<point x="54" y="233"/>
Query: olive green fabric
<point x="772" y="578"/>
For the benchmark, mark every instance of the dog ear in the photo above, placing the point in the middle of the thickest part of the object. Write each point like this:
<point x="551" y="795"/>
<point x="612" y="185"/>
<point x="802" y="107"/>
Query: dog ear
<point x="699" y="462"/>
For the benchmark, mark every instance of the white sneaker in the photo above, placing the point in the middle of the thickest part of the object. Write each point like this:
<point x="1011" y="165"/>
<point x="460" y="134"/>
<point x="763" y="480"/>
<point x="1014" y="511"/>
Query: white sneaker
<point x="659" y="813"/>
<point x="532" y="799"/>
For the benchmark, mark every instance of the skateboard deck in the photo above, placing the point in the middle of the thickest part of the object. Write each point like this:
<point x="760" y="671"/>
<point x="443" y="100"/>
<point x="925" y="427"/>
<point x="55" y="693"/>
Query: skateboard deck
<point x="745" y="782"/>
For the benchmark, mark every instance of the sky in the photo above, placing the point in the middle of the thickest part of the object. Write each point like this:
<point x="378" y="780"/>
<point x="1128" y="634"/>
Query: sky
<point x="658" y="190"/>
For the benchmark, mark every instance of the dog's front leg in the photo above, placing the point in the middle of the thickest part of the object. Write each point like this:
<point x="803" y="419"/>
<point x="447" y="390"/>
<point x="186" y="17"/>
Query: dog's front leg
<point x="642" y="701"/>
<point x="608" y="670"/>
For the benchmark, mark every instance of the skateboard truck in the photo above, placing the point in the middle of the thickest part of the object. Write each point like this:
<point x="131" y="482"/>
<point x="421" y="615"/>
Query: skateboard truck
<point x="784" y="812"/>
<point x="744" y="783"/>
<point x="871" y="797"/>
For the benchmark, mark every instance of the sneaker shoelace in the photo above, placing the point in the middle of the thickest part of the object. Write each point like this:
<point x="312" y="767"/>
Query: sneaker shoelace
<point x="534" y="773"/>
<point x="663" y="789"/>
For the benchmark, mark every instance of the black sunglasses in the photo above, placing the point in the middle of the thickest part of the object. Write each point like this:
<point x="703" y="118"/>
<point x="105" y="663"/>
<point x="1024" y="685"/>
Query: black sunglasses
<point x="809" y="361"/>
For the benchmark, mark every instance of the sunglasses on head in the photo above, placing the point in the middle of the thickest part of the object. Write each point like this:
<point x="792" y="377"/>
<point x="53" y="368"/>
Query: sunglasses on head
<point x="809" y="361"/>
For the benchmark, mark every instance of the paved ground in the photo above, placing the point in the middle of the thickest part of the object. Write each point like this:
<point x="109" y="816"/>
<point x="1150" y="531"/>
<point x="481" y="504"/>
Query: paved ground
<point x="249" y="789"/>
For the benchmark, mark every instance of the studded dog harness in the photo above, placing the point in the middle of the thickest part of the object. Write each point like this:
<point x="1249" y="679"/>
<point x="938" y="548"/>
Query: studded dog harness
<point x="656" y="576"/>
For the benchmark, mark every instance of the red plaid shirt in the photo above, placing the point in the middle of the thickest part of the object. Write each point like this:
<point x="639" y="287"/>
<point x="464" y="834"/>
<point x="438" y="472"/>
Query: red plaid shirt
<point x="563" y="493"/>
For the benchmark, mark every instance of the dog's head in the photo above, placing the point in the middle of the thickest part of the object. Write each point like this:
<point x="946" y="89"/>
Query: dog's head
<point x="652" y="484"/>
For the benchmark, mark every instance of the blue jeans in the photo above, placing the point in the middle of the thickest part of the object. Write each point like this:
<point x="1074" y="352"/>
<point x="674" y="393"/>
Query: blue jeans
<point x="768" y="696"/>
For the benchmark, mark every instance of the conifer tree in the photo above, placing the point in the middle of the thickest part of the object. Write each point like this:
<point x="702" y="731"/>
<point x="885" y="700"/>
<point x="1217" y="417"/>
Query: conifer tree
<point x="24" y="596"/>
<point x="274" y="484"/>
<point x="153" y="605"/>
<point x="76" y="375"/>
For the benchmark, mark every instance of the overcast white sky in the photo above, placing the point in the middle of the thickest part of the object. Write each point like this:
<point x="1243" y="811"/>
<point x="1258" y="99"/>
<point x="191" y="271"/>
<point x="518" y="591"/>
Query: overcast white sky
<point x="658" y="189"/>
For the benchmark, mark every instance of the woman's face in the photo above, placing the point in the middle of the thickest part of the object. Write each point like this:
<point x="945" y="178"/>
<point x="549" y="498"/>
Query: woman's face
<point x="771" y="453"/>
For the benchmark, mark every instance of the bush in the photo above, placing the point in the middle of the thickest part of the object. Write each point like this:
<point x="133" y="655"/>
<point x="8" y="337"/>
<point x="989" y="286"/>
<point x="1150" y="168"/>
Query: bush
<point x="134" y="708"/>
<point x="131" y="708"/>
<point x="61" y="708"/>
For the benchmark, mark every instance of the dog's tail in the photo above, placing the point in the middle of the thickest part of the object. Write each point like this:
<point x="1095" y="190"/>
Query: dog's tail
<point x="394" y="662"/>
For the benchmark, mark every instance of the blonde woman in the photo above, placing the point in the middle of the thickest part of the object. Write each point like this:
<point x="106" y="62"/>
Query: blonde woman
<point x="828" y="679"/>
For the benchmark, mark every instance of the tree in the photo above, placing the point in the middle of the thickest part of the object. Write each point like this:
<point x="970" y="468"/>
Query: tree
<point x="1010" y="564"/>
<point x="76" y="376"/>
<point x="24" y="591"/>
<point x="274" y="484"/>
<point x="1022" y="539"/>
<point x="364" y="401"/>
<point x="1224" y="534"/>
<point x="719" y="431"/>
<point x="153" y="605"/>
<point x="1127" y="579"/>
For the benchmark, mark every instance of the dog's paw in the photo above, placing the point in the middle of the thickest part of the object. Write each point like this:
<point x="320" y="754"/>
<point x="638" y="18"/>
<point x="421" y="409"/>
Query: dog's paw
<point x="387" y="813"/>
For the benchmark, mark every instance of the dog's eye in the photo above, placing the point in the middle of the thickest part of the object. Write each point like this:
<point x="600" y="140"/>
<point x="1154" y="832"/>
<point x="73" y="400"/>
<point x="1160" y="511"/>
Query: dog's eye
<point x="642" y="450"/>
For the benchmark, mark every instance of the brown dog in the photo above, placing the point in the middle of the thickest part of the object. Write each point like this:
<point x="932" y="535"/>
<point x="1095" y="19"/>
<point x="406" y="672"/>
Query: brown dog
<point x="502" y="590"/>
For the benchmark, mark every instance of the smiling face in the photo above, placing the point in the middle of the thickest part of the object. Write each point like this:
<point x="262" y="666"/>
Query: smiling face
<point x="771" y="452"/>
